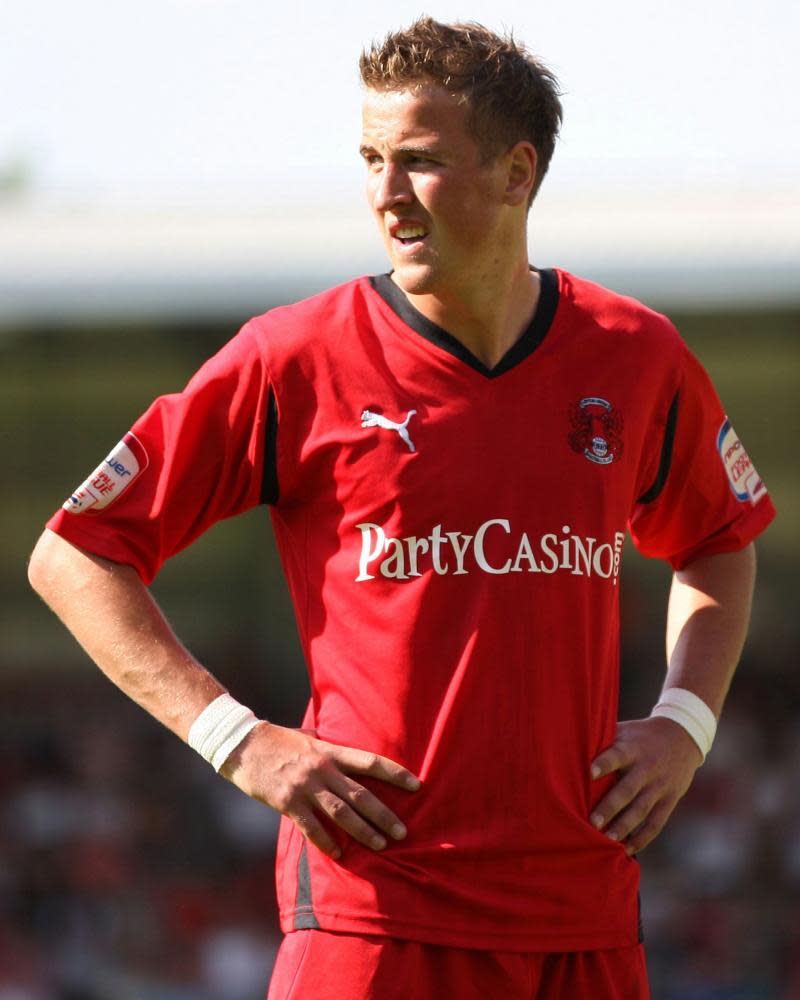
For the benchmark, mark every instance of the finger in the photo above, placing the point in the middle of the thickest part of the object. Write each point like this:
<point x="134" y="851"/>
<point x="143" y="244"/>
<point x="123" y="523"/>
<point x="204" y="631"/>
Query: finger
<point x="313" y="830"/>
<point x="631" y="818"/>
<point x="348" y="819"/>
<point x="369" y="806"/>
<point x="355" y="761"/>
<point x="615" y="758"/>
<point x="614" y="801"/>
<point x="649" y="830"/>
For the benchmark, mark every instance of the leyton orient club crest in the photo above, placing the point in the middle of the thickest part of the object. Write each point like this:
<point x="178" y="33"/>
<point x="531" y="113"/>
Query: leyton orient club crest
<point x="596" y="430"/>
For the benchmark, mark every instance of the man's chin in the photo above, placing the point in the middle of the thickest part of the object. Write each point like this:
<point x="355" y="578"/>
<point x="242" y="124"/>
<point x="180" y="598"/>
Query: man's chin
<point x="414" y="279"/>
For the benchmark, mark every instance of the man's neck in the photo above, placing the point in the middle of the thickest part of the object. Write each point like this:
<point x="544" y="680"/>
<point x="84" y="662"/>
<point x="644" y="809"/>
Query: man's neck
<point x="490" y="320"/>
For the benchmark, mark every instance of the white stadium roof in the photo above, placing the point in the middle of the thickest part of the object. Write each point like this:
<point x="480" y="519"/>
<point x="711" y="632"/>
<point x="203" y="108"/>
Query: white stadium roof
<point x="63" y="266"/>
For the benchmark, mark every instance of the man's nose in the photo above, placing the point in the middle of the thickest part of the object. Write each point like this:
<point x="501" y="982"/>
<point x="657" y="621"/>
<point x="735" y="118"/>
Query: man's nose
<point x="393" y="187"/>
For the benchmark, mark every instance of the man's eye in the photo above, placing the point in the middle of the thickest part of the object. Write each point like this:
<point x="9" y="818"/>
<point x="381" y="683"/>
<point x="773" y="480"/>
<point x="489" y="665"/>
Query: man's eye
<point x="423" y="162"/>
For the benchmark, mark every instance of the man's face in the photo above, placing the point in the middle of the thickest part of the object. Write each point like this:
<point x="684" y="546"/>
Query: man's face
<point x="439" y="207"/>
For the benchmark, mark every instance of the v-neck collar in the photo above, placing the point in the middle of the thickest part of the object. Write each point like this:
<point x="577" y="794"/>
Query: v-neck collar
<point x="524" y="346"/>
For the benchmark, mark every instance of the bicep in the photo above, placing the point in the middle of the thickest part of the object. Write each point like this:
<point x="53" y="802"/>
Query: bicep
<point x="80" y="586"/>
<point x="57" y="565"/>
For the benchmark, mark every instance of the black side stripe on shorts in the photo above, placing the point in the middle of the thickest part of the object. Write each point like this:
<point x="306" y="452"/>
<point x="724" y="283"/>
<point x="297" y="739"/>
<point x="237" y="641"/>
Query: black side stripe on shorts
<point x="304" y="919"/>
<point x="639" y="921"/>
<point x="652" y="493"/>
<point x="269" y="478"/>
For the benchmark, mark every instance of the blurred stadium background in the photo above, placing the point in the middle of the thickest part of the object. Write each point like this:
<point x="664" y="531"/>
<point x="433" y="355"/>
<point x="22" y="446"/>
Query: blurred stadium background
<point x="128" y="871"/>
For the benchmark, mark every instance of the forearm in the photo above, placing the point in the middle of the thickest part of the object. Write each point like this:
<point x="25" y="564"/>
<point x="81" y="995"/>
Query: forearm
<point x="709" y="609"/>
<point x="707" y="620"/>
<point x="114" y="617"/>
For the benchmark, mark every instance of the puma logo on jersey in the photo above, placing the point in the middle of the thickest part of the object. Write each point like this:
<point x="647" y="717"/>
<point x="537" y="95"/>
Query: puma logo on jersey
<point x="370" y="419"/>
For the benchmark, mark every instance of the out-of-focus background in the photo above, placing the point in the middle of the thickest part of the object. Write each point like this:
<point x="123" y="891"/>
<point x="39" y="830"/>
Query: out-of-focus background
<point x="169" y="168"/>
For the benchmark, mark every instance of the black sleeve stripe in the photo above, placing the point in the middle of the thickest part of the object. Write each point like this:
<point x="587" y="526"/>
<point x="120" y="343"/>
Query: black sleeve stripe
<point x="666" y="455"/>
<point x="269" y="479"/>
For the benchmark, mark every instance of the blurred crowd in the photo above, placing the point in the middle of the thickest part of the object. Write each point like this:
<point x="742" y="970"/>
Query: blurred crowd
<point x="720" y="887"/>
<point x="129" y="870"/>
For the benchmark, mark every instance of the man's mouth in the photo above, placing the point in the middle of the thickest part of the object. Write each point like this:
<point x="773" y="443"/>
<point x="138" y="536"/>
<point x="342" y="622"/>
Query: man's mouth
<point x="407" y="235"/>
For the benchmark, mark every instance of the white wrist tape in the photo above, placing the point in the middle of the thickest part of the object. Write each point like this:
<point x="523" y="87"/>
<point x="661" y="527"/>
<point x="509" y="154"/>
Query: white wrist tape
<point x="220" y="728"/>
<point x="691" y="712"/>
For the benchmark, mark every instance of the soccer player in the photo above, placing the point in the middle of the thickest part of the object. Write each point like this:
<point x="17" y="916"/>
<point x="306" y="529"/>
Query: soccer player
<point x="451" y="453"/>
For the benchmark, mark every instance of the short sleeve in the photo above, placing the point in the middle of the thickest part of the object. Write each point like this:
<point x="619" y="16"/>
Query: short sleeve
<point x="194" y="458"/>
<point x="707" y="496"/>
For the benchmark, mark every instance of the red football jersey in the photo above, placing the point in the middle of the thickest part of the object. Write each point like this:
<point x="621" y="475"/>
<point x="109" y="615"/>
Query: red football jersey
<point x="452" y="537"/>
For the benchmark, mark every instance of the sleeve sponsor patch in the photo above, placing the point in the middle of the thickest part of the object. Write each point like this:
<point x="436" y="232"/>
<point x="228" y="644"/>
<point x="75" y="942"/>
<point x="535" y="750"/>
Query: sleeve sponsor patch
<point x="111" y="477"/>
<point x="745" y="481"/>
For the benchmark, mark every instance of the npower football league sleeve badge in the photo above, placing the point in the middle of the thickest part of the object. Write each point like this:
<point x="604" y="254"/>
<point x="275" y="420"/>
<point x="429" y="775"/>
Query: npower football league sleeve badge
<point x="111" y="477"/>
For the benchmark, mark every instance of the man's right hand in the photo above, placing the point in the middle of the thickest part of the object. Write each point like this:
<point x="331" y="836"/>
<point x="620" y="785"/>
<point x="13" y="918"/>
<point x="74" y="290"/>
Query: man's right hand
<point x="301" y="776"/>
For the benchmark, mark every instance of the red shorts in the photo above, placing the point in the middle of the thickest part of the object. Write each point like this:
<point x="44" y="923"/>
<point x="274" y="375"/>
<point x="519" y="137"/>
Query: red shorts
<point x="321" y="965"/>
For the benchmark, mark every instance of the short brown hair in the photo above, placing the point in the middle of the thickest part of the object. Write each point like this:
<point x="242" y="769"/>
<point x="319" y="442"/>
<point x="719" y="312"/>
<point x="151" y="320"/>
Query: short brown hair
<point x="511" y="95"/>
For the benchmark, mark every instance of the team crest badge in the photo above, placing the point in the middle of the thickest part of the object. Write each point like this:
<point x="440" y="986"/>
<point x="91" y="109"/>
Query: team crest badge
<point x="596" y="430"/>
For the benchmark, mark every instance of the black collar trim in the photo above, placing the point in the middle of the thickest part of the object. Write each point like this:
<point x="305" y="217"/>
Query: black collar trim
<point x="532" y="336"/>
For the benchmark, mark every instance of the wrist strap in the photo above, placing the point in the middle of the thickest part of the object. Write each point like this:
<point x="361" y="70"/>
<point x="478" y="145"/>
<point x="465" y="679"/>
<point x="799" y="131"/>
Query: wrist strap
<point x="220" y="728"/>
<point x="691" y="712"/>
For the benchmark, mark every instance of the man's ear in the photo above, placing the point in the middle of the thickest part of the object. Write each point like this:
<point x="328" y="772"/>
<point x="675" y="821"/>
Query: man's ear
<point x="521" y="162"/>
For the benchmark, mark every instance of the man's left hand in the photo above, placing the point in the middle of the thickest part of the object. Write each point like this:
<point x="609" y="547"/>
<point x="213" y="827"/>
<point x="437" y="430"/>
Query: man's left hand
<point x="656" y="760"/>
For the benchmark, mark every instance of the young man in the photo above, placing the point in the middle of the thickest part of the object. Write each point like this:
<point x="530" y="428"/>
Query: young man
<point x="452" y="453"/>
